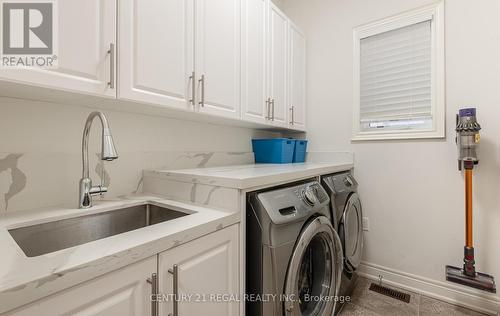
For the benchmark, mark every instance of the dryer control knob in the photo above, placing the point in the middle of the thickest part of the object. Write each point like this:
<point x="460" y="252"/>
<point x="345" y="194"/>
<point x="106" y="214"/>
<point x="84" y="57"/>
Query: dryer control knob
<point x="348" y="181"/>
<point x="309" y="195"/>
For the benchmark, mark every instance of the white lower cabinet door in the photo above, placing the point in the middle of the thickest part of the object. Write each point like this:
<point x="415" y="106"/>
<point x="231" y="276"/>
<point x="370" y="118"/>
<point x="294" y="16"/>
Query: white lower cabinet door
<point x="85" y="48"/>
<point x="217" y="55"/>
<point x="156" y="52"/>
<point x="297" y="76"/>
<point x="124" y="292"/>
<point x="203" y="273"/>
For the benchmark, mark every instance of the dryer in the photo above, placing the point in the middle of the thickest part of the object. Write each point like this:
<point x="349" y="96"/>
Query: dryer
<point x="293" y="253"/>
<point x="347" y="218"/>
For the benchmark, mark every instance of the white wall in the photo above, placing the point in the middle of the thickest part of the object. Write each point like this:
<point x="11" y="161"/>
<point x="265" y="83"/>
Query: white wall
<point x="412" y="191"/>
<point x="40" y="150"/>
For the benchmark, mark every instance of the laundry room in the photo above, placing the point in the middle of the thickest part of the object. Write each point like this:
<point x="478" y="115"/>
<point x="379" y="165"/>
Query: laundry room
<point x="249" y="157"/>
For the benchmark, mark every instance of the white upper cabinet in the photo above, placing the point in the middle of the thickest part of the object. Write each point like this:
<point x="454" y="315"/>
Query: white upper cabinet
<point x="239" y="59"/>
<point x="124" y="292"/>
<point x="273" y="67"/>
<point x="217" y="55"/>
<point x="86" y="31"/>
<point x="156" y="50"/>
<point x="254" y="77"/>
<point x="202" y="270"/>
<point x="297" y="76"/>
<point x="278" y="65"/>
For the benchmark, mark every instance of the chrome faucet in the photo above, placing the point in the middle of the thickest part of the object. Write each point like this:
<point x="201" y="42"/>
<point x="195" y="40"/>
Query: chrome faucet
<point x="108" y="153"/>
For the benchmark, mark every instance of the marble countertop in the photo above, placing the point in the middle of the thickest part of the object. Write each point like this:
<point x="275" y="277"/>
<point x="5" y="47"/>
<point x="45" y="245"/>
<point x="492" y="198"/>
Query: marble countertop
<point x="24" y="279"/>
<point x="252" y="175"/>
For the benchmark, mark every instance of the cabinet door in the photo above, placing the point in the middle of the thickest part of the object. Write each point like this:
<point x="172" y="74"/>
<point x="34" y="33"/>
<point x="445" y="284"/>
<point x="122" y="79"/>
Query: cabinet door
<point x="297" y="75"/>
<point x="86" y="29"/>
<point x="254" y="77"/>
<point x="124" y="292"/>
<point x="278" y="53"/>
<point x="156" y="51"/>
<point x="218" y="41"/>
<point x="206" y="267"/>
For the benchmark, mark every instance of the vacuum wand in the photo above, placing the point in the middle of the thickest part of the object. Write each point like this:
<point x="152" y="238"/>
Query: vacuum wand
<point x="468" y="208"/>
<point x="469" y="268"/>
<point x="467" y="139"/>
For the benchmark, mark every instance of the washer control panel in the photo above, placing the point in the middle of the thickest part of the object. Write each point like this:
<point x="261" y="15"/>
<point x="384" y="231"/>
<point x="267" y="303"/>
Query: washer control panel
<point x="296" y="201"/>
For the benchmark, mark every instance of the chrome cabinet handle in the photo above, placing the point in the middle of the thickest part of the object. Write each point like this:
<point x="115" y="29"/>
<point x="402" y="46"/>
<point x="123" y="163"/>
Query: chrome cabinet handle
<point x="111" y="53"/>
<point x="272" y="104"/>
<point x="193" y="88"/>
<point x="202" y="99"/>
<point x="268" y="109"/>
<point x="292" y="109"/>
<point x="175" y="272"/>
<point x="153" y="280"/>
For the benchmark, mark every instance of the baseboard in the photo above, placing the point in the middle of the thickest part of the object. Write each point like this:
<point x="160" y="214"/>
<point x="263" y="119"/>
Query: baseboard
<point x="470" y="298"/>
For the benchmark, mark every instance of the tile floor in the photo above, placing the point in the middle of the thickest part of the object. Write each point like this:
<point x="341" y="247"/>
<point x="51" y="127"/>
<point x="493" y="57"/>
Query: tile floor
<point x="368" y="303"/>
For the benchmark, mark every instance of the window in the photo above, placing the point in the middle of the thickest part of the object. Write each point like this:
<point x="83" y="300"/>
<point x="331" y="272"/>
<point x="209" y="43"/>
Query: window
<point x="399" y="76"/>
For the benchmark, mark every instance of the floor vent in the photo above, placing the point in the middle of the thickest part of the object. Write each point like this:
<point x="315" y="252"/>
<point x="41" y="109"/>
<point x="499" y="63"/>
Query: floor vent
<point x="390" y="292"/>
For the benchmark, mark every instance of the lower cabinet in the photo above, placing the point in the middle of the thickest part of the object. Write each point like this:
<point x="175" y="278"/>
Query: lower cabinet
<point x="124" y="292"/>
<point x="200" y="277"/>
<point x="203" y="275"/>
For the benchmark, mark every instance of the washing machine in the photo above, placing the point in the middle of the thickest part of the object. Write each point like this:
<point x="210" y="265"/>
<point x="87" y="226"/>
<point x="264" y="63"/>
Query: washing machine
<point x="347" y="218"/>
<point x="293" y="253"/>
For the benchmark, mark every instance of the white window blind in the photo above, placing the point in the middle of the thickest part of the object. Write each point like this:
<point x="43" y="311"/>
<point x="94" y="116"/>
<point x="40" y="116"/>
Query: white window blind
<point x="395" y="78"/>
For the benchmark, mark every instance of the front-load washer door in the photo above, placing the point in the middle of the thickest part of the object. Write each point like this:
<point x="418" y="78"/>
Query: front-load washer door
<point x="314" y="272"/>
<point x="351" y="233"/>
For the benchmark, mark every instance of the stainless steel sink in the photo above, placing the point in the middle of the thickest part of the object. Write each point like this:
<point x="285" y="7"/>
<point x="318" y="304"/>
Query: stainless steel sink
<point x="48" y="237"/>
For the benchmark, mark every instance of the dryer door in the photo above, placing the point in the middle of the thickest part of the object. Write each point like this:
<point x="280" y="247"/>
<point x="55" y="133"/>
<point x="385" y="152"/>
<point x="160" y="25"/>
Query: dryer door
<point x="314" y="272"/>
<point x="351" y="233"/>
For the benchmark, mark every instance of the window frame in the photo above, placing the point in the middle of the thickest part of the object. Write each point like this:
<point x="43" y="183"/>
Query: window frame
<point x="435" y="13"/>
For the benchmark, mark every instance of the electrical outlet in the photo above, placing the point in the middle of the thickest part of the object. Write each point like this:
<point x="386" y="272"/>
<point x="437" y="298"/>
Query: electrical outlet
<point x="366" y="224"/>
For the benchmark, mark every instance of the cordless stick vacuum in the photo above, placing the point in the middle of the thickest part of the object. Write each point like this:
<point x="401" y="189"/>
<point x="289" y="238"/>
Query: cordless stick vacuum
<point x="467" y="139"/>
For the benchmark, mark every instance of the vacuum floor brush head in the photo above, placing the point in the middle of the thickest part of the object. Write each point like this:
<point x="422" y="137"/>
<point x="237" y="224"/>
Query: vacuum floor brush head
<point x="480" y="281"/>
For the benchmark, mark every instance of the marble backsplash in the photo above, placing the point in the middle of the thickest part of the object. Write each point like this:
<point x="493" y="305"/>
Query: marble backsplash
<point x="38" y="180"/>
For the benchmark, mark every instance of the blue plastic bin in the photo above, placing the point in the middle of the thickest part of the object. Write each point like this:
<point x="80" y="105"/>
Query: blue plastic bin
<point x="299" y="154"/>
<point x="273" y="150"/>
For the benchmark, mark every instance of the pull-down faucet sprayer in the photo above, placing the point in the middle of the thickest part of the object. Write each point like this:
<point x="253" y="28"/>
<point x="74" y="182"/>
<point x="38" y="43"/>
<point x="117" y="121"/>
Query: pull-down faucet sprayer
<point x="108" y="153"/>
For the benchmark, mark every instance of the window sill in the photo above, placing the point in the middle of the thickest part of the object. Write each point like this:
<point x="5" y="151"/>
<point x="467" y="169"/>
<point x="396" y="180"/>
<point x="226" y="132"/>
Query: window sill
<point x="397" y="135"/>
